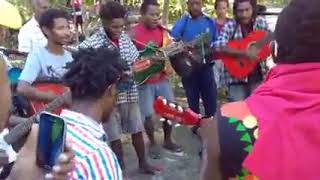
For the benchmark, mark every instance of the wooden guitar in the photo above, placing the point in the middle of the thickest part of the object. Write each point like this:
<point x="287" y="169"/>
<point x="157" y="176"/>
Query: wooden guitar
<point x="153" y="58"/>
<point x="56" y="89"/>
<point x="173" y="112"/>
<point x="240" y="68"/>
<point x="7" y="138"/>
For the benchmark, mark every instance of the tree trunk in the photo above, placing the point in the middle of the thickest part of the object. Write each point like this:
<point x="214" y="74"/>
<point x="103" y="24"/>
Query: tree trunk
<point x="165" y="12"/>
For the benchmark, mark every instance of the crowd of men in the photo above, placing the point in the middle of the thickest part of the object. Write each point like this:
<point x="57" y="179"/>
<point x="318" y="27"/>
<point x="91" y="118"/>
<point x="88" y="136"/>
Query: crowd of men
<point x="99" y="107"/>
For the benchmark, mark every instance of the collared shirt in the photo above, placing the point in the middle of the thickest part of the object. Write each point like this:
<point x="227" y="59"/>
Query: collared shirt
<point x="229" y="32"/>
<point x="31" y="37"/>
<point x="128" y="52"/>
<point x="94" y="159"/>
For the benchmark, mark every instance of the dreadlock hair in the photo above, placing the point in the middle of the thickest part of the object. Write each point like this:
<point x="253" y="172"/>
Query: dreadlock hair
<point x="92" y="71"/>
<point x="253" y="4"/>
<point x="297" y="32"/>
<point x="112" y="10"/>
<point x="146" y="4"/>
<point x="216" y="3"/>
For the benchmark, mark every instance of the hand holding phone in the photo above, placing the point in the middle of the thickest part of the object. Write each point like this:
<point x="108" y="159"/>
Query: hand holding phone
<point x="51" y="140"/>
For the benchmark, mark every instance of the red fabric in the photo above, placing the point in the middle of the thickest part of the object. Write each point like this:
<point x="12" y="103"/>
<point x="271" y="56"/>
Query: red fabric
<point x="287" y="106"/>
<point x="143" y="36"/>
<point x="115" y="41"/>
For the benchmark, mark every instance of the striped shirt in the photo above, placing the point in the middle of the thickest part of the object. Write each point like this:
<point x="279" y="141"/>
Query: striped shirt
<point x="94" y="160"/>
<point x="128" y="52"/>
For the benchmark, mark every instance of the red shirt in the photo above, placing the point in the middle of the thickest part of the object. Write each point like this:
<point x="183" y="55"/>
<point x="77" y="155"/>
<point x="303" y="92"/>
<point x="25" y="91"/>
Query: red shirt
<point x="115" y="42"/>
<point x="143" y="36"/>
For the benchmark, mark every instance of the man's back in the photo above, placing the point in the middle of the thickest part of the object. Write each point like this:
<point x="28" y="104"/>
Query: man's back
<point x="94" y="159"/>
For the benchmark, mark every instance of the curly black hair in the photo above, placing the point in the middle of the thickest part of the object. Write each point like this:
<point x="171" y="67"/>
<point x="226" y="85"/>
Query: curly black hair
<point x="297" y="32"/>
<point x="112" y="10"/>
<point x="253" y="4"/>
<point x="146" y="4"/>
<point x="92" y="71"/>
<point x="48" y="17"/>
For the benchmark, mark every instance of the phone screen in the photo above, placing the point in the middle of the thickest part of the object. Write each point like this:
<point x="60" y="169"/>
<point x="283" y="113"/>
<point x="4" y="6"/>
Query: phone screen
<point x="51" y="140"/>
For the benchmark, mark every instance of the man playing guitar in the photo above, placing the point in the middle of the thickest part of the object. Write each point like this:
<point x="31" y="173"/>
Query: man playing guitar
<point x="49" y="61"/>
<point x="201" y="82"/>
<point x="126" y="117"/>
<point x="149" y="30"/>
<point x="246" y="21"/>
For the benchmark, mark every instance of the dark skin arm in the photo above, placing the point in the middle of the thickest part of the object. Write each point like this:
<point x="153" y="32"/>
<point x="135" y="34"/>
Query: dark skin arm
<point x="5" y="98"/>
<point x="208" y="131"/>
<point x="25" y="89"/>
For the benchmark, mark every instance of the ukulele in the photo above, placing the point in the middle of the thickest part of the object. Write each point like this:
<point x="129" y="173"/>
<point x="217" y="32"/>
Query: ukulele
<point x="7" y="138"/>
<point x="240" y="68"/>
<point x="176" y="113"/>
<point x="152" y="58"/>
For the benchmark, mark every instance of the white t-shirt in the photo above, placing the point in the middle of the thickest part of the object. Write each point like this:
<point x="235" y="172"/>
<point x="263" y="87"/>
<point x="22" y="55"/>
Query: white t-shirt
<point x="31" y="37"/>
<point x="43" y="64"/>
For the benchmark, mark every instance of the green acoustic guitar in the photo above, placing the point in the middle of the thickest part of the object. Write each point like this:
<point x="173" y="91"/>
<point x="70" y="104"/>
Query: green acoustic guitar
<point x="152" y="59"/>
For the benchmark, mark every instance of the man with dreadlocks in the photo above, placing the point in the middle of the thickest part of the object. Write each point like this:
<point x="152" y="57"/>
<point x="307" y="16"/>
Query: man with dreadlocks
<point x="246" y="21"/>
<point x="92" y="78"/>
<point x="126" y="117"/>
<point x="274" y="134"/>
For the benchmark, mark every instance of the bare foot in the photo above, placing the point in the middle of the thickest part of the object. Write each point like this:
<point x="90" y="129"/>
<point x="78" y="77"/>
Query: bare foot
<point x="172" y="147"/>
<point x="146" y="168"/>
<point x="155" y="152"/>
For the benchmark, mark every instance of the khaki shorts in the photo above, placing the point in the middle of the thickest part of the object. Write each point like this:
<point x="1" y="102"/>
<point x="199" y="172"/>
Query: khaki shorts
<point x="125" y="119"/>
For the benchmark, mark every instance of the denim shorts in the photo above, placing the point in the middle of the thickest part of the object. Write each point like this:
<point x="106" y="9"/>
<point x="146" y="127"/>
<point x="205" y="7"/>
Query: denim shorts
<point x="149" y="92"/>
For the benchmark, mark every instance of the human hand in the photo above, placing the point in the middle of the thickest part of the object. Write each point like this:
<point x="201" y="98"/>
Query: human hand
<point x="26" y="162"/>
<point x="252" y="52"/>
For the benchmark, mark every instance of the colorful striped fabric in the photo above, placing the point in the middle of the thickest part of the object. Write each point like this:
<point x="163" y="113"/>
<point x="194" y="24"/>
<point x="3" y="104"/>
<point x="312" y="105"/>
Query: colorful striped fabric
<point x="94" y="159"/>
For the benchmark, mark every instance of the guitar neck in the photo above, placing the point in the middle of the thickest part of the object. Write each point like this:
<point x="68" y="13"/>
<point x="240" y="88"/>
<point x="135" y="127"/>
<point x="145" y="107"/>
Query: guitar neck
<point x="24" y="128"/>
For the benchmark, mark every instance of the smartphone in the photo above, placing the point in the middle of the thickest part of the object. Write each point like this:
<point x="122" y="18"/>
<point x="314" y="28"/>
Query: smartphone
<point x="51" y="140"/>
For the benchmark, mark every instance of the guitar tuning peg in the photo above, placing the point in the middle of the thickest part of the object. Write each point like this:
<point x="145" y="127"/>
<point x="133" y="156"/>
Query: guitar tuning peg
<point x="172" y="105"/>
<point x="180" y="109"/>
<point x="164" y="101"/>
<point x="169" y="122"/>
<point x="162" y="119"/>
<point x="177" y="125"/>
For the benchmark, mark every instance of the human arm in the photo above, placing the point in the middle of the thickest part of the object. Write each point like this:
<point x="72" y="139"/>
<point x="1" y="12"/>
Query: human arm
<point x="5" y="98"/>
<point x="29" y="74"/>
<point x="211" y="150"/>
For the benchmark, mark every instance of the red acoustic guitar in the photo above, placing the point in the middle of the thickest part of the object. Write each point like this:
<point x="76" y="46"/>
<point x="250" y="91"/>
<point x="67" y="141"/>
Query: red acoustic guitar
<point x="56" y="89"/>
<point x="240" y="68"/>
<point x="174" y="112"/>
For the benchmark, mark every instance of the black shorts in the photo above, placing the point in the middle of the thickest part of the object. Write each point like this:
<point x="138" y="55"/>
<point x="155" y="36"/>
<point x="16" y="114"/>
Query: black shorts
<point x="233" y="151"/>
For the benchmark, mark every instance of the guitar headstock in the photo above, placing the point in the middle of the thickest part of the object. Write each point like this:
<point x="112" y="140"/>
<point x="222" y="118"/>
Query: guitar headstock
<point x="176" y="113"/>
<point x="203" y="38"/>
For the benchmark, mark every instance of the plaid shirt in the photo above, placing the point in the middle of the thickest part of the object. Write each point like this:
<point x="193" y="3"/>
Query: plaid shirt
<point x="229" y="32"/>
<point x="128" y="52"/>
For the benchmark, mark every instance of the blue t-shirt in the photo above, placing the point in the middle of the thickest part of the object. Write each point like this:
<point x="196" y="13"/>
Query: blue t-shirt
<point x="42" y="64"/>
<point x="187" y="28"/>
